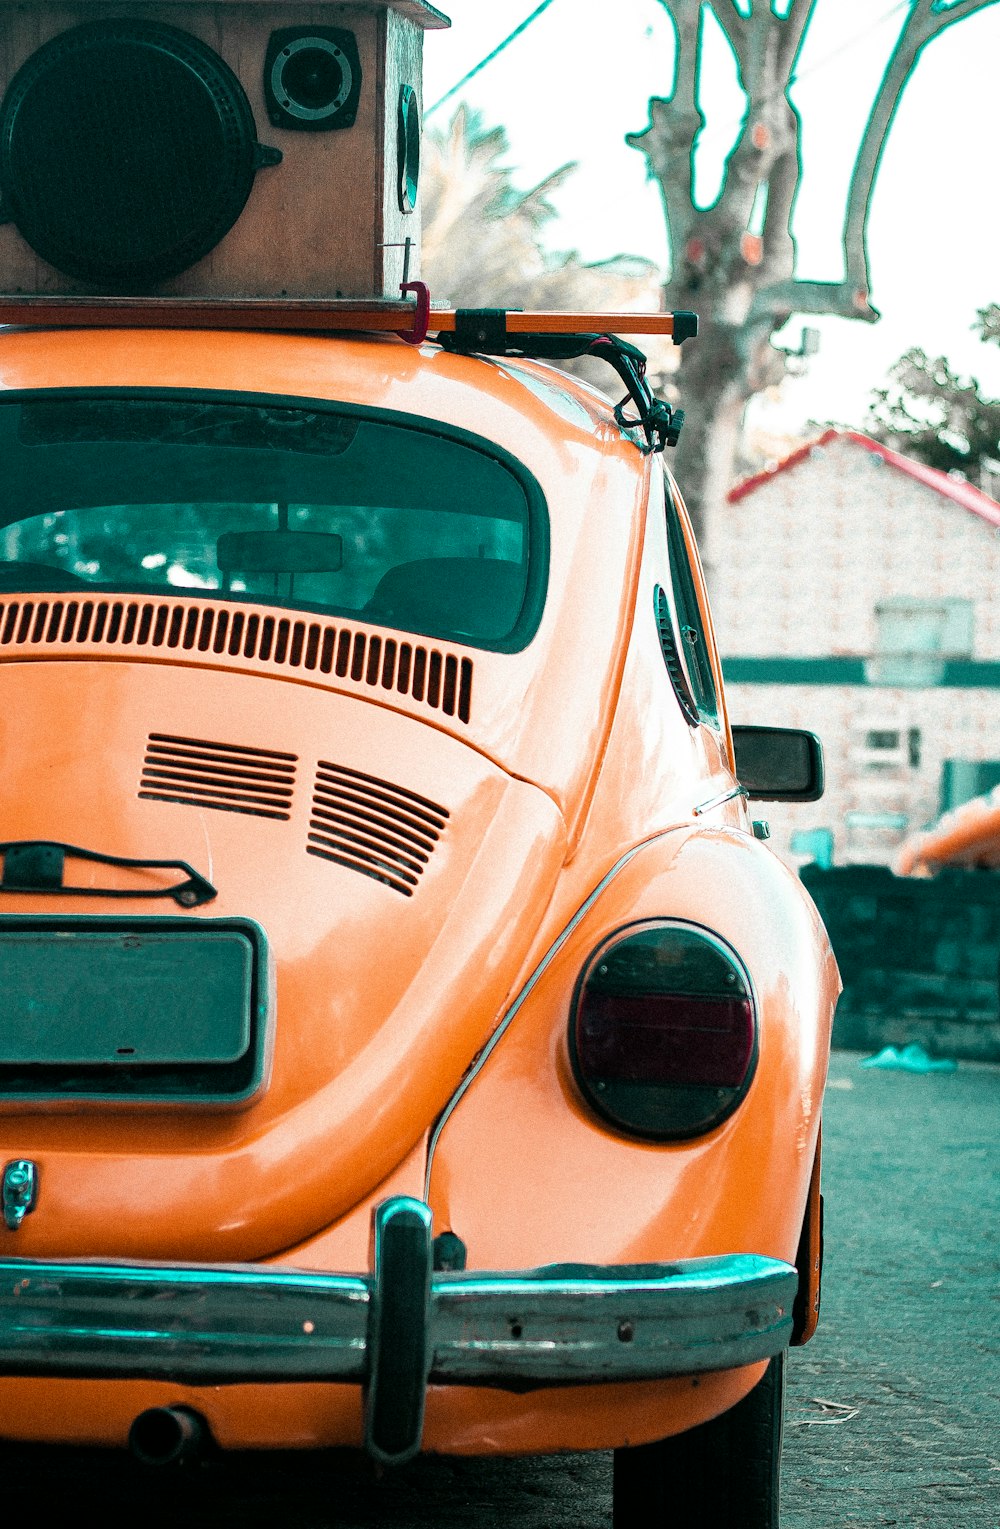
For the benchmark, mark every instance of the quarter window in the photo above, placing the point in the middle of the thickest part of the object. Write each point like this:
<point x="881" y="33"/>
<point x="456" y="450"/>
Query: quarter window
<point x="682" y="631"/>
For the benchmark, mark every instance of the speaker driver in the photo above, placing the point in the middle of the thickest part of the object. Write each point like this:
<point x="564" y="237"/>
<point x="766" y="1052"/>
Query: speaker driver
<point x="312" y="78"/>
<point x="408" y="148"/>
<point x="128" y="149"/>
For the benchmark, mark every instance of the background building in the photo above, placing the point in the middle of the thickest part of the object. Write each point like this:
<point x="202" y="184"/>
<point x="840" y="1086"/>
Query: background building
<point x="854" y="594"/>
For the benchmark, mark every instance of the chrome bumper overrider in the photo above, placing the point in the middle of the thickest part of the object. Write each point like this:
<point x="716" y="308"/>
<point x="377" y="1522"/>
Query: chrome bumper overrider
<point x="396" y="1330"/>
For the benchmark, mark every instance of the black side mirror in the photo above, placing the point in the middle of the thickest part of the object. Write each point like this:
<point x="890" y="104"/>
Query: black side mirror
<point x="779" y="764"/>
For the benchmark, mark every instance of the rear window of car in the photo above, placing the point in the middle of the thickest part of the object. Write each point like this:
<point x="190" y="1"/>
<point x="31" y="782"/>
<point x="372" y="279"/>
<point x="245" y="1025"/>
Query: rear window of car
<point x="387" y="518"/>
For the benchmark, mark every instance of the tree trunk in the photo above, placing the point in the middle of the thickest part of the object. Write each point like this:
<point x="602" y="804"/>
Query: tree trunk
<point x="714" y="395"/>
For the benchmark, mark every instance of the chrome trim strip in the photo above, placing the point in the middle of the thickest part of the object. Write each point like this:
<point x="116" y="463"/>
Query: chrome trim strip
<point x="480" y="1061"/>
<point x="717" y="801"/>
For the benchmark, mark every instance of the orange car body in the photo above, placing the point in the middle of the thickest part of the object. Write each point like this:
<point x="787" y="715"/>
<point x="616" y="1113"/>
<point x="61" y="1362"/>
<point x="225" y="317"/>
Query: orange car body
<point x="969" y="835"/>
<point x="418" y="1043"/>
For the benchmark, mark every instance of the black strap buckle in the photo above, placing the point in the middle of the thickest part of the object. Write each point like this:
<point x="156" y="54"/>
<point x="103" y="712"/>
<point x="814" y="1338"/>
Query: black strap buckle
<point x="480" y="330"/>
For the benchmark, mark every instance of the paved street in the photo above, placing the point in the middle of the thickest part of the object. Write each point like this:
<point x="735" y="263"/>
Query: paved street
<point x="910" y="1325"/>
<point x="894" y="1409"/>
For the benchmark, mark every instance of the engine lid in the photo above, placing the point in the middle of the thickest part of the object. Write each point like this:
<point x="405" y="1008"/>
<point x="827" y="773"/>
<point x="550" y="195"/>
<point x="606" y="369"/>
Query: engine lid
<point x="399" y="878"/>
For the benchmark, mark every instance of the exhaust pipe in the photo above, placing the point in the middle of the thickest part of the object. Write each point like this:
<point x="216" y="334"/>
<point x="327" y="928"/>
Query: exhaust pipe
<point x="167" y="1435"/>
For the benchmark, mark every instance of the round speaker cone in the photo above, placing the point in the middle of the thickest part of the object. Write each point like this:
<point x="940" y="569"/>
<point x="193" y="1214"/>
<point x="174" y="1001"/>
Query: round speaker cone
<point x="127" y="151"/>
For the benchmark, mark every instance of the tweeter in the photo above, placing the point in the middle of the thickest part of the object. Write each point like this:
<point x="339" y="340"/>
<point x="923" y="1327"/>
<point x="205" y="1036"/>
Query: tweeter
<point x="312" y="79"/>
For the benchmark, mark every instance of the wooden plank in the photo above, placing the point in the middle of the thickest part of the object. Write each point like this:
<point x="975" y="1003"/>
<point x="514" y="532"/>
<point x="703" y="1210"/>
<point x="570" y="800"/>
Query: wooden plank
<point x="293" y="313"/>
<point x="422" y="12"/>
<point x="425" y="15"/>
<point x="401" y="60"/>
<point x="70" y="312"/>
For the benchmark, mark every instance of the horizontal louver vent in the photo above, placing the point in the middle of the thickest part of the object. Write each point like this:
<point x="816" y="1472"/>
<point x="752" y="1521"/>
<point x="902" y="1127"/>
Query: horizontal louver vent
<point x="372" y="826"/>
<point x="225" y="776"/>
<point x="440" y="680"/>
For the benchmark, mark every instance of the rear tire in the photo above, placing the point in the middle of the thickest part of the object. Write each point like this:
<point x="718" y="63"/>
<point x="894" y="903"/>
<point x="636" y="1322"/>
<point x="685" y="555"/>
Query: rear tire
<point x="721" y="1475"/>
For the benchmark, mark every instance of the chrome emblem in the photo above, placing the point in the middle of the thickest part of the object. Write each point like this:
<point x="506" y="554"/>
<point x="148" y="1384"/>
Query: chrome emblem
<point x="20" y="1191"/>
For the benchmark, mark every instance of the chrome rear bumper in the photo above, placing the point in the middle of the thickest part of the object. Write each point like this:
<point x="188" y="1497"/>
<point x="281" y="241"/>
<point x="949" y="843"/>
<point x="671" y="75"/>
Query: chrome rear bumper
<point x="396" y="1330"/>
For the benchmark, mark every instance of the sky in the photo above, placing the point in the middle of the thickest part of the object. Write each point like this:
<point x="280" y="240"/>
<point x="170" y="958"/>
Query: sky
<point x="579" y="78"/>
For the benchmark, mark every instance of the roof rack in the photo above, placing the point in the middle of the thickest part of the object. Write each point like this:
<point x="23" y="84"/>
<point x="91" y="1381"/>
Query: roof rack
<point x="326" y="314"/>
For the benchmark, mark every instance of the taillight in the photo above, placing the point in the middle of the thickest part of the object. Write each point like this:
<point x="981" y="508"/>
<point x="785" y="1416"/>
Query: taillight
<point x="663" y="1034"/>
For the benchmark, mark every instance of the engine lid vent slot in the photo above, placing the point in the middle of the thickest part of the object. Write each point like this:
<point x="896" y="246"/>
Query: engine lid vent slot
<point x="434" y="678"/>
<point x="228" y="777"/>
<point x="370" y="825"/>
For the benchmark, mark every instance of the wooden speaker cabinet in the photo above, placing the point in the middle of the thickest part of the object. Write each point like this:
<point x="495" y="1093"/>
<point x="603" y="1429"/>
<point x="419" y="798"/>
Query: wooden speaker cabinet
<point x="266" y="148"/>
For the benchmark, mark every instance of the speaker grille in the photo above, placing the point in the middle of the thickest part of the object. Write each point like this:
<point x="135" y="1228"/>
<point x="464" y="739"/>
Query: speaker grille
<point x="127" y="150"/>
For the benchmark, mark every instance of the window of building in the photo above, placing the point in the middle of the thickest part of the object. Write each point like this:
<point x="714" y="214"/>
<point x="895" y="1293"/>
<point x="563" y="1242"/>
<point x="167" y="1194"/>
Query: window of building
<point x="882" y="738"/>
<point x="911" y="625"/>
<point x="914" y="638"/>
<point x="913" y="747"/>
<point x="882" y="746"/>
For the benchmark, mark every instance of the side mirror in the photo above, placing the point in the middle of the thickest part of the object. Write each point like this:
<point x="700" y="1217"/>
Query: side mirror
<point x="779" y="764"/>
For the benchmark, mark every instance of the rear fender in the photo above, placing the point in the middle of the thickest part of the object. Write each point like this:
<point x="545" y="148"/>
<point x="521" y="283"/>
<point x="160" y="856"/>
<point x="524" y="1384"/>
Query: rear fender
<point x="809" y="1259"/>
<point x="524" y="1172"/>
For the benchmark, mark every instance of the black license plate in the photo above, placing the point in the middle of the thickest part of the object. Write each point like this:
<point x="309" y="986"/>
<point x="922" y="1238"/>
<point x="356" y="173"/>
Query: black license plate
<point x="158" y="1001"/>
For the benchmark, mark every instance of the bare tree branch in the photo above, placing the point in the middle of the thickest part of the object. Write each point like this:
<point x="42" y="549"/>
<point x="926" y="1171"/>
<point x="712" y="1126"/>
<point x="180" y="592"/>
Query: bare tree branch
<point x="736" y="28"/>
<point x="922" y="23"/>
<point x="674" y="124"/>
<point x="777" y="302"/>
<point x="766" y="154"/>
<point x="786" y="166"/>
<point x="944" y="17"/>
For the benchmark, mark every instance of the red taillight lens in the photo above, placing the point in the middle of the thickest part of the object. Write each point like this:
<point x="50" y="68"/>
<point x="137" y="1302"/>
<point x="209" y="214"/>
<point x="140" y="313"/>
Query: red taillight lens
<point x="663" y="1036"/>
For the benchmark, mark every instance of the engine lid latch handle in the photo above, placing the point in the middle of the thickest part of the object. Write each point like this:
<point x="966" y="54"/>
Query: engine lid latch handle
<point x="38" y="865"/>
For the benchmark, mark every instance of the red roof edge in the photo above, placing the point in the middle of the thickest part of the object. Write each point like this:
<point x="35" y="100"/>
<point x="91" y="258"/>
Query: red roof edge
<point x="960" y="492"/>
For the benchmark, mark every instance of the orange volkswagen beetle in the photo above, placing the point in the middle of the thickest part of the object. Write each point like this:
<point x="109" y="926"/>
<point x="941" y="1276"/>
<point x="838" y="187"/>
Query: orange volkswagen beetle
<point x="407" y="1041"/>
